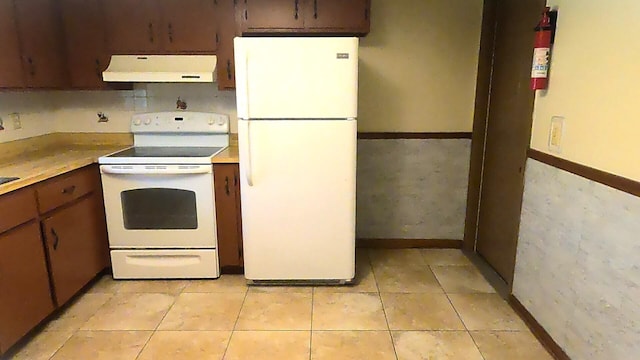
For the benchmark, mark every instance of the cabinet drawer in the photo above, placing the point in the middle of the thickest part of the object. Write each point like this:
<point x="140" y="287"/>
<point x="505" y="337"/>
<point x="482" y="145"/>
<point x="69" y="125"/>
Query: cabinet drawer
<point x="165" y="264"/>
<point x="66" y="188"/>
<point x="17" y="208"/>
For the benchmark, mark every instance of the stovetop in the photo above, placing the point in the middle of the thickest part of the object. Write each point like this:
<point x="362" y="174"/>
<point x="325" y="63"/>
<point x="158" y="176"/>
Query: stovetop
<point x="150" y="155"/>
<point x="167" y="152"/>
<point x="173" y="138"/>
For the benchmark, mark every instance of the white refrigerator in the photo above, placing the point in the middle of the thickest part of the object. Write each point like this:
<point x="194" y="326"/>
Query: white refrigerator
<point x="297" y="107"/>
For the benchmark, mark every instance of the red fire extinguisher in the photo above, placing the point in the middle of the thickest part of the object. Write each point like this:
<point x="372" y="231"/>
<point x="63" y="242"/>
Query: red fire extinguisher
<point x="542" y="52"/>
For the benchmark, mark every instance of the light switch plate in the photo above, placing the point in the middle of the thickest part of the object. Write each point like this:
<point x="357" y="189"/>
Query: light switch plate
<point x="15" y="119"/>
<point x="556" y="133"/>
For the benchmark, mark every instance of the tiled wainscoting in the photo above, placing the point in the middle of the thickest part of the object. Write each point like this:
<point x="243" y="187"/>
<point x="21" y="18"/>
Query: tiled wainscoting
<point x="578" y="263"/>
<point x="412" y="188"/>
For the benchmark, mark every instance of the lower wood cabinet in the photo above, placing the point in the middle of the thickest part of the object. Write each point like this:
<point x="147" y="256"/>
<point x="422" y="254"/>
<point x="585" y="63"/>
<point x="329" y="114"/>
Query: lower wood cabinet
<point x="47" y="257"/>
<point x="228" y="217"/>
<point x="75" y="241"/>
<point x="25" y="296"/>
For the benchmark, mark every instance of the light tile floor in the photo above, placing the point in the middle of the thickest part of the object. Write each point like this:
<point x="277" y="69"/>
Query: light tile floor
<point x="407" y="304"/>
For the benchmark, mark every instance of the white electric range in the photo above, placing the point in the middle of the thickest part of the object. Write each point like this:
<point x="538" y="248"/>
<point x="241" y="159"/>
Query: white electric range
<point x="159" y="197"/>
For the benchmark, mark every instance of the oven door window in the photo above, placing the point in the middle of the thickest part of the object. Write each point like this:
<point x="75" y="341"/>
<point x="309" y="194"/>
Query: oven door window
<point x="159" y="208"/>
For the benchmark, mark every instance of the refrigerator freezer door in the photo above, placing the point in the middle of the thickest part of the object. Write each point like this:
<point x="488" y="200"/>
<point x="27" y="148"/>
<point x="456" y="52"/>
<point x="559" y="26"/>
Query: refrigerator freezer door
<point x="298" y="199"/>
<point x="296" y="78"/>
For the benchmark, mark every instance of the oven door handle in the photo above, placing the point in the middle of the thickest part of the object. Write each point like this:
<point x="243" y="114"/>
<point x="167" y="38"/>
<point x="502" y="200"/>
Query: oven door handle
<point x="156" y="170"/>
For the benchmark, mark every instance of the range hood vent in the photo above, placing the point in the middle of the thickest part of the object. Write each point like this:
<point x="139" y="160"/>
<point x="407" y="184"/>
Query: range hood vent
<point x="161" y="68"/>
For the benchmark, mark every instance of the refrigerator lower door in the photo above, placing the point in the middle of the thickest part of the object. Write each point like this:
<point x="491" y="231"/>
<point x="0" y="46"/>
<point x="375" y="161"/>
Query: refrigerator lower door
<point x="298" y="182"/>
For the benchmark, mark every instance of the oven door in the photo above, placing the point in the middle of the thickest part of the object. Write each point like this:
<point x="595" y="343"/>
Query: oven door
<point x="159" y="206"/>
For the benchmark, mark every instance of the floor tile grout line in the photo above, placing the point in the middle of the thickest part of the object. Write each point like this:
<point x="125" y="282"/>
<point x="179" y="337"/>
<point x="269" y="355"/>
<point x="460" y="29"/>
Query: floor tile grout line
<point x="153" y="332"/>
<point x="74" y="332"/>
<point x="461" y="320"/>
<point x="313" y="291"/>
<point x="456" y="310"/>
<point x="393" y="344"/>
<point x="233" y="330"/>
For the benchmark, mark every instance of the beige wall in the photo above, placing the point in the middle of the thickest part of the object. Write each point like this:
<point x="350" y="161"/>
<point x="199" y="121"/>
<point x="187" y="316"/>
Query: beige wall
<point x="595" y="85"/>
<point x="418" y="66"/>
<point x="417" y="74"/>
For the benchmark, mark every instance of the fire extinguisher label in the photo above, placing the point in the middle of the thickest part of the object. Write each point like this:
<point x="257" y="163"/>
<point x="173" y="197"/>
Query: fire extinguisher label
<point x="540" y="67"/>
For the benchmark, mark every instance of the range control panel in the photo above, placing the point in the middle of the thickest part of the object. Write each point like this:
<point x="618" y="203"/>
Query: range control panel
<point x="180" y="122"/>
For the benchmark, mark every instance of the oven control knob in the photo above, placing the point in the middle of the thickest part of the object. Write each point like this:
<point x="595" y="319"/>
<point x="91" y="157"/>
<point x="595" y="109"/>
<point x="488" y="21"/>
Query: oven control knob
<point x="137" y="122"/>
<point x="147" y="121"/>
<point x="211" y="121"/>
<point x="220" y="121"/>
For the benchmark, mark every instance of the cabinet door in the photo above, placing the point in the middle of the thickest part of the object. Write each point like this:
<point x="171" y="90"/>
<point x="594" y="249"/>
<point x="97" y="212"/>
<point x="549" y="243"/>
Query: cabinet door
<point x="271" y="15"/>
<point x="25" y="295"/>
<point x="132" y="26"/>
<point x="10" y="63"/>
<point x="228" y="215"/>
<point x="41" y="38"/>
<point x="86" y="42"/>
<point x="188" y="26"/>
<point x="76" y="242"/>
<point x="226" y="32"/>
<point x="337" y="15"/>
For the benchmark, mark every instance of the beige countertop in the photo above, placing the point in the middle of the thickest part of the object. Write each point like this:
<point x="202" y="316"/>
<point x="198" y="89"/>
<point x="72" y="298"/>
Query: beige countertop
<point x="39" y="165"/>
<point x="33" y="164"/>
<point x="227" y="156"/>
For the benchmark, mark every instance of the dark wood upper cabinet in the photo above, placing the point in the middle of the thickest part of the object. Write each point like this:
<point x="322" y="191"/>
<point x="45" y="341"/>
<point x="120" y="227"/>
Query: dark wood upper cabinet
<point x="338" y="15"/>
<point x="304" y="16"/>
<point x="161" y="27"/>
<point x="10" y="62"/>
<point x="226" y="32"/>
<point x="188" y="26"/>
<point x="40" y="33"/>
<point x="133" y="26"/>
<point x="271" y="15"/>
<point x="86" y="42"/>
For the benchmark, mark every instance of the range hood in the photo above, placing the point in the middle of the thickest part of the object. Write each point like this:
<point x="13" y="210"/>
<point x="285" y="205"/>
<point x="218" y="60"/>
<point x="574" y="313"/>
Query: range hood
<point x="161" y="68"/>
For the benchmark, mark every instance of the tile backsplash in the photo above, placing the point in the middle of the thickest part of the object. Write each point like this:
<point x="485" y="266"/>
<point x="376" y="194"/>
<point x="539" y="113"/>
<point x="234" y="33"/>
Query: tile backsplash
<point x="43" y="112"/>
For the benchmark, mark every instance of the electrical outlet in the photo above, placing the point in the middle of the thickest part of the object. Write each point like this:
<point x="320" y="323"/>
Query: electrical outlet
<point x="15" y="119"/>
<point x="556" y="131"/>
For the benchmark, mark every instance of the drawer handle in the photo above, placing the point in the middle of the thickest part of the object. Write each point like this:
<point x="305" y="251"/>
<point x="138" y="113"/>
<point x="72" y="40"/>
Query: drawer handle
<point x="69" y="190"/>
<point x="56" y="239"/>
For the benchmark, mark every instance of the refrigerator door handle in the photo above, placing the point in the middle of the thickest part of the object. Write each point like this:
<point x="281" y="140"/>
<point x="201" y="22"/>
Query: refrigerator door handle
<point x="248" y="170"/>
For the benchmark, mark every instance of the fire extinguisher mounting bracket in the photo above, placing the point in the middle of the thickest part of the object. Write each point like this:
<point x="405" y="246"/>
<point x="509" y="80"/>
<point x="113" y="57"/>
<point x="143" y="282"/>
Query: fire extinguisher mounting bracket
<point x="553" y="20"/>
